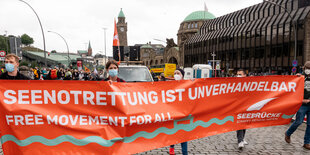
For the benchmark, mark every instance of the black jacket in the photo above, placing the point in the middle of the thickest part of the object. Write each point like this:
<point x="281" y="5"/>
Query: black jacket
<point x="17" y="77"/>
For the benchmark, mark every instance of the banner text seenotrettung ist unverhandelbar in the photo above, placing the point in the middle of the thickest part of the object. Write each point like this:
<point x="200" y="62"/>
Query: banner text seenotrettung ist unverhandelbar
<point x="84" y="117"/>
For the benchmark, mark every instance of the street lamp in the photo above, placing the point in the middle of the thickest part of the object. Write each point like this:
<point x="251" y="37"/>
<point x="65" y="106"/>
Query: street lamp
<point x="41" y="30"/>
<point x="294" y="24"/>
<point x="213" y="55"/>
<point x="159" y="40"/>
<point x="66" y="44"/>
<point x="105" y="44"/>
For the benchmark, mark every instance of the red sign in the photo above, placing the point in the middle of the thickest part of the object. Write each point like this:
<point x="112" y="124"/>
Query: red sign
<point x="2" y="53"/>
<point x="91" y="117"/>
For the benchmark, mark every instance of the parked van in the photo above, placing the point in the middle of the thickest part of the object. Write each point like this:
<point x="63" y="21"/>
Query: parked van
<point x="135" y="73"/>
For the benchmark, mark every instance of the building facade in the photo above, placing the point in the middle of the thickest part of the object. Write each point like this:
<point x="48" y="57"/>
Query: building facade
<point x="260" y="38"/>
<point x="174" y="53"/>
<point x="152" y="54"/>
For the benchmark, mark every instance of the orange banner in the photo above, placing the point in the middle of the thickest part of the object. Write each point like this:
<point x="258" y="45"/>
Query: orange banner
<point x="88" y="117"/>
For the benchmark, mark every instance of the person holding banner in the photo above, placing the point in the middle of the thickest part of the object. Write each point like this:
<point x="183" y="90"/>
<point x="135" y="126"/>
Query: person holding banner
<point x="241" y="133"/>
<point x="11" y="64"/>
<point x="179" y="75"/>
<point x="303" y="111"/>
<point x="112" y="69"/>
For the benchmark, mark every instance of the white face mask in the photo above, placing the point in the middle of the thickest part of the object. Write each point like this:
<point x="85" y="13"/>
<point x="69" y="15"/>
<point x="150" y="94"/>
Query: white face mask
<point x="307" y="71"/>
<point x="239" y="76"/>
<point x="177" y="77"/>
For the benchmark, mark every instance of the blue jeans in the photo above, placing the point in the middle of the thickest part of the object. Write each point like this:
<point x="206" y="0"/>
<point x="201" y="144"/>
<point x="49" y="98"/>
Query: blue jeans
<point x="304" y="110"/>
<point x="184" y="148"/>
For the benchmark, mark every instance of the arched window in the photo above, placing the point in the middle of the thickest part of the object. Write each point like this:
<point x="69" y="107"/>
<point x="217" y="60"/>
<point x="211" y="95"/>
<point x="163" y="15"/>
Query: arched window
<point x="189" y="26"/>
<point x="192" y="25"/>
<point x="196" y="25"/>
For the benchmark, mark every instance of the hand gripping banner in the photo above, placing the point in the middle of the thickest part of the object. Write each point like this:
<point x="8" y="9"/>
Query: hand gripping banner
<point x="89" y="117"/>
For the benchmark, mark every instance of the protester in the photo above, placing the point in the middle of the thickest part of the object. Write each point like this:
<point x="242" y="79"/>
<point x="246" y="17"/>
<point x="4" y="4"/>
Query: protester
<point x="162" y="77"/>
<point x="112" y="69"/>
<point x="241" y="133"/>
<point x="81" y="75"/>
<point x="101" y="75"/>
<point x="60" y="74"/>
<point x="68" y="75"/>
<point x="179" y="75"/>
<point x="303" y="111"/>
<point x="11" y="64"/>
<point x="53" y="74"/>
<point x="45" y="73"/>
<point x="36" y="73"/>
<point x="25" y="71"/>
<point x="75" y="75"/>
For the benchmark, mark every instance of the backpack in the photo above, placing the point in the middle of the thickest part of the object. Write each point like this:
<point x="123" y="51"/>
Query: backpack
<point x="53" y="74"/>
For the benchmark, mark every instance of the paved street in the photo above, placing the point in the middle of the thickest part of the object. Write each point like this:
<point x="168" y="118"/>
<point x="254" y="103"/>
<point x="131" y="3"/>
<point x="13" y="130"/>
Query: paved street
<point x="269" y="140"/>
<point x="262" y="141"/>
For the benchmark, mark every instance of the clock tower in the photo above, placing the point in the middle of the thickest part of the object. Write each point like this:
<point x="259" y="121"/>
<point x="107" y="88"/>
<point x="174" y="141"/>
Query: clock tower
<point x="122" y="29"/>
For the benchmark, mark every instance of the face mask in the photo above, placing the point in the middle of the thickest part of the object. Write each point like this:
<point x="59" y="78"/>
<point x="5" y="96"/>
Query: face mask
<point x="9" y="67"/>
<point x="113" y="72"/>
<point x="307" y="71"/>
<point x="239" y="76"/>
<point x="177" y="77"/>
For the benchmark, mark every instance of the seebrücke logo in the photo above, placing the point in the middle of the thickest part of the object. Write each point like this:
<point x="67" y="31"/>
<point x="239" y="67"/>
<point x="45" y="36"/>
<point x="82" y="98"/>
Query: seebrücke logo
<point x="259" y="105"/>
<point x="252" y="116"/>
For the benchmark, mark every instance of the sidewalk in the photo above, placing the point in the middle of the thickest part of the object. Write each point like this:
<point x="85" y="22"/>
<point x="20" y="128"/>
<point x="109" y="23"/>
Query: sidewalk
<point x="262" y="141"/>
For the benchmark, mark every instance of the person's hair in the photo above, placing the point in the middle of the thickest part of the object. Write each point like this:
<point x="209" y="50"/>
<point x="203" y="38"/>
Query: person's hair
<point x="12" y="56"/>
<point x="241" y="70"/>
<point x="109" y="63"/>
<point x="307" y="65"/>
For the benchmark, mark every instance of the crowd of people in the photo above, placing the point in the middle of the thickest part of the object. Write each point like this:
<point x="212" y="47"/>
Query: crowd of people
<point x="54" y="73"/>
<point x="14" y="72"/>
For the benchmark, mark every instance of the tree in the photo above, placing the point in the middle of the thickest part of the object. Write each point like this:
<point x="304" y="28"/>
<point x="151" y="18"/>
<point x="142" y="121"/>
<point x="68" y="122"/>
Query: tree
<point x="26" y="40"/>
<point x="4" y="43"/>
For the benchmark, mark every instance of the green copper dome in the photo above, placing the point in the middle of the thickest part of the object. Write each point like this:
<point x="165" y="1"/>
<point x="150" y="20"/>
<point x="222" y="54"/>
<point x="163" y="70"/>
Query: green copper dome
<point x="146" y="46"/>
<point x="121" y="13"/>
<point x="199" y="15"/>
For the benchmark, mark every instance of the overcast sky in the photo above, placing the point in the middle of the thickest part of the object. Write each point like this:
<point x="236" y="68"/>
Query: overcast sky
<point x="81" y="21"/>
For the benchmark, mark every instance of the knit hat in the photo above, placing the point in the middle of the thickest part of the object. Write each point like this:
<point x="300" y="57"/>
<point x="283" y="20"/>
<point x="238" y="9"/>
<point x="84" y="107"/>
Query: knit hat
<point x="307" y="64"/>
<point x="182" y="71"/>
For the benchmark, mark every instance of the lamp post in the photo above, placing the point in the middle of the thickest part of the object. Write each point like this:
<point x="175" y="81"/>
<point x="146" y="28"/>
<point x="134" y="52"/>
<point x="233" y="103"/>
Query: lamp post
<point x="213" y="55"/>
<point x="160" y="40"/>
<point x="66" y="44"/>
<point x="45" y="63"/>
<point x="294" y="24"/>
<point x="105" y="44"/>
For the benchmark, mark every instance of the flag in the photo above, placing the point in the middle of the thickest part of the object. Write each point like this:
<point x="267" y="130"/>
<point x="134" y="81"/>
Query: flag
<point x="87" y="70"/>
<point x="115" y="36"/>
<point x="116" y="41"/>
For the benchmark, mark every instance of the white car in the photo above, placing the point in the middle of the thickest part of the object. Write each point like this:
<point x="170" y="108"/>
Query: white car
<point x="135" y="73"/>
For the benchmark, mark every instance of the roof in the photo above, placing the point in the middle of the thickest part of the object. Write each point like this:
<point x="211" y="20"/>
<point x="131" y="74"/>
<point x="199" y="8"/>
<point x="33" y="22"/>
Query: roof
<point x="146" y="46"/>
<point x="53" y="57"/>
<point x="121" y="13"/>
<point x="82" y="51"/>
<point x="199" y="15"/>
